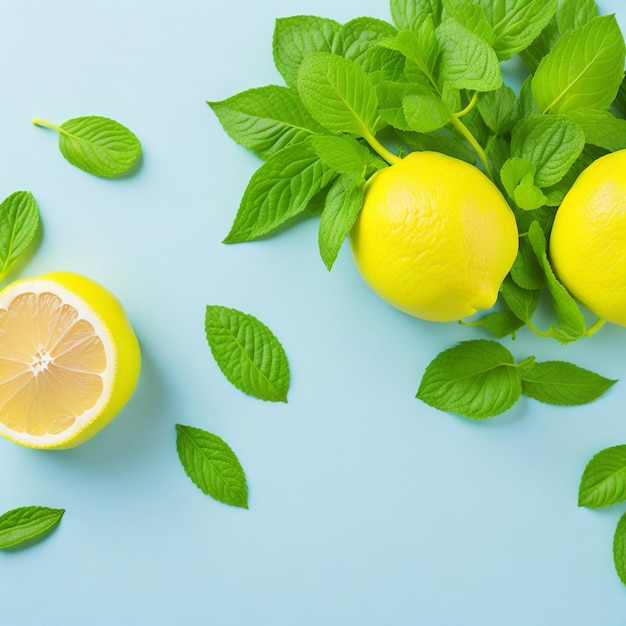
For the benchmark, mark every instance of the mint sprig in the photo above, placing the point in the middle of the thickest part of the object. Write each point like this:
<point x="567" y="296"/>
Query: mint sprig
<point x="27" y="523"/>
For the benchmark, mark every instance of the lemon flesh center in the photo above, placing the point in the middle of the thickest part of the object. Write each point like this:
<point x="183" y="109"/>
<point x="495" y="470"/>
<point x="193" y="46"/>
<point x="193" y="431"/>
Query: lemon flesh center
<point x="53" y="365"/>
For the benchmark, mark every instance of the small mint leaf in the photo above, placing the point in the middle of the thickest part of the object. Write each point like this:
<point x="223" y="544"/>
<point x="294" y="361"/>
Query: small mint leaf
<point x="619" y="549"/>
<point x="212" y="465"/>
<point x="26" y="523"/>
<point x="359" y="35"/>
<point x="499" y="323"/>
<point x="522" y="302"/>
<point x="603" y="482"/>
<point x="409" y="14"/>
<point x="343" y="154"/>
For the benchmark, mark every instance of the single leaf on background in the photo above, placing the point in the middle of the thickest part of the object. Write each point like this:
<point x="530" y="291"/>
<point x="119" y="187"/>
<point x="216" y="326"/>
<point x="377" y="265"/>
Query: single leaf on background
<point x="522" y="302"/>
<point x="517" y="23"/>
<point x="601" y="128"/>
<point x="619" y="549"/>
<point x="467" y="61"/>
<point x="564" y="384"/>
<point x="343" y="154"/>
<point x="278" y="191"/>
<point x="409" y="14"/>
<point x="475" y="379"/>
<point x="472" y="16"/>
<point x="298" y="36"/>
<point x="343" y="204"/>
<point x="573" y="14"/>
<point x="551" y="142"/>
<point x="358" y="36"/>
<point x="498" y="109"/>
<point x="19" y="222"/>
<point x="570" y="318"/>
<point x="583" y="70"/>
<point x="499" y="323"/>
<point x="97" y="145"/>
<point x="248" y="353"/>
<point x="212" y="465"/>
<point x="338" y="93"/>
<point x="425" y="111"/>
<point x="26" y="523"/>
<point x="603" y="482"/>
<point x="266" y="119"/>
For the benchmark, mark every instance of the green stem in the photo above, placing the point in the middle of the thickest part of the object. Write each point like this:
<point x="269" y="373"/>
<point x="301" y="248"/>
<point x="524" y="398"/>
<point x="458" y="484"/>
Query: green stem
<point x="537" y="331"/>
<point x="469" y="107"/>
<point x="458" y="124"/>
<point x="39" y="122"/>
<point x="390" y="157"/>
<point x="594" y="328"/>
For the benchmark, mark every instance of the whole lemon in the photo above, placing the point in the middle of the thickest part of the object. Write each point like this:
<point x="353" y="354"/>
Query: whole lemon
<point x="435" y="237"/>
<point x="588" y="240"/>
<point x="69" y="360"/>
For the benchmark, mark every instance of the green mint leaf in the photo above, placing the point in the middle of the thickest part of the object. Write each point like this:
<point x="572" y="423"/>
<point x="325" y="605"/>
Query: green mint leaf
<point x="357" y="37"/>
<point x="528" y="196"/>
<point x="343" y="154"/>
<point x="527" y="105"/>
<point x="472" y="16"/>
<point x="298" y="36"/>
<point x="247" y="353"/>
<point x="97" y="145"/>
<point x="419" y="48"/>
<point x="526" y="272"/>
<point x="573" y="14"/>
<point x="522" y="302"/>
<point x="338" y="93"/>
<point x="476" y="379"/>
<point x="551" y="142"/>
<point x="497" y="152"/>
<point x="516" y="23"/>
<point x="565" y="384"/>
<point x="318" y="201"/>
<point x="390" y="96"/>
<point x="409" y="14"/>
<point x="381" y="64"/>
<point x="212" y="465"/>
<point x="518" y="178"/>
<point x="540" y="47"/>
<point x="266" y="119"/>
<point x="425" y="111"/>
<point x="467" y="61"/>
<point x="278" y="191"/>
<point x="498" y="109"/>
<point x="343" y="204"/>
<point x="601" y="128"/>
<point x="569" y="315"/>
<point x="620" y="98"/>
<point x="499" y="323"/>
<point x="583" y="70"/>
<point x="19" y="223"/>
<point x="438" y="143"/>
<point x="26" y="523"/>
<point x="603" y="482"/>
<point x="556" y="193"/>
<point x="619" y="549"/>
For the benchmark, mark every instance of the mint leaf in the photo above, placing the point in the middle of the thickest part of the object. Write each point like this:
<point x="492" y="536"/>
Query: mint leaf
<point x="420" y="49"/>
<point x="212" y="465"/>
<point x="472" y="16"/>
<point x="266" y="119"/>
<point x="382" y="64"/>
<point x="619" y="549"/>
<point x="439" y="143"/>
<point x="573" y="14"/>
<point x="26" y="523"/>
<point x="97" y="145"/>
<point x="603" y="482"/>
<point x="467" y="61"/>
<point x="498" y="109"/>
<point x="522" y="302"/>
<point x="518" y="178"/>
<point x="601" y="128"/>
<point x="562" y="383"/>
<point x="357" y="37"/>
<point x="569" y="315"/>
<point x="343" y="204"/>
<point x="248" y="353"/>
<point x="338" y="93"/>
<point x="298" y="36"/>
<point x="583" y="70"/>
<point x="19" y="223"/>
<point x="343" y="154"/>
<point x="425" y="111"/>
<point x="527" y="105"/>
<point x="540" y="47"/>
<point x="409" y="14"/>
<point x="551" y="142"/>
<point x="526" y="271"/>
<point x="278" y="191"/>
<point x="499" y="323"/>
<point x="476" y="379"/>
<point x="516" y="23"/>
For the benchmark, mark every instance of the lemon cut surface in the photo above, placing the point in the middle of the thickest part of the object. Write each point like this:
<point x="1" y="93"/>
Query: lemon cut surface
<point x="69" y="360"/>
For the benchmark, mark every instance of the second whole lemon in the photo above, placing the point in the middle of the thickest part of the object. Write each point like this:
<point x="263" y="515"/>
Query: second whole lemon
<point x="435" y="237"/>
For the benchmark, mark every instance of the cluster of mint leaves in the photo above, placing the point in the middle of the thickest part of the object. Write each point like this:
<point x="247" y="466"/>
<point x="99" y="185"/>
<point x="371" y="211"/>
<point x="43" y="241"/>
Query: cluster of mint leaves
<point x="359" y="96"/>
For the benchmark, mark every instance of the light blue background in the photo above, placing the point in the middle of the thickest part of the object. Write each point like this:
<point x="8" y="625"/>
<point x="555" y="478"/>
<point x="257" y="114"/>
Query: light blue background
<point x="366" y="506"/>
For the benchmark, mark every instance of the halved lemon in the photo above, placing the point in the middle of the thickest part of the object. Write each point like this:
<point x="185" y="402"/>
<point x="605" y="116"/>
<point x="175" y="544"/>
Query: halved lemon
<point x="69" y="360"/>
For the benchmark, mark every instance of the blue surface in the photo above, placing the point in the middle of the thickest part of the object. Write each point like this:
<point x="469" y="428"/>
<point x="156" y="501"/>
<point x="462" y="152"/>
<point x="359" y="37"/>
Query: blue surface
<point x="366" y="506"/>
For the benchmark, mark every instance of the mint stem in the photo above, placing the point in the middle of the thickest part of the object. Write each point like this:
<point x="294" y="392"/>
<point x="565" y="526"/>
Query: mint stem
<point x="458" y="124"/>
<point x="39" y="122"/>
<point x="594" y="328"/>
<point x="389" y="156"/>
